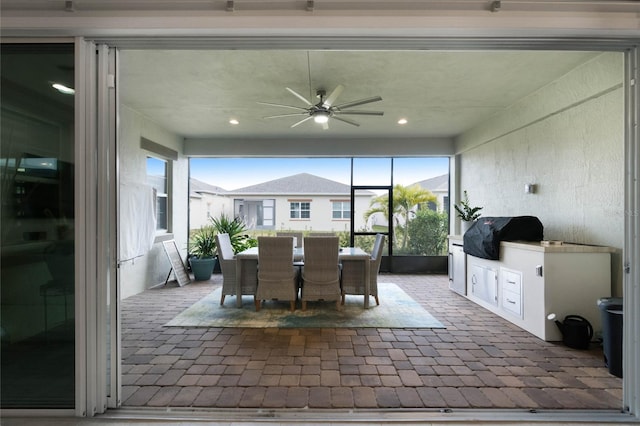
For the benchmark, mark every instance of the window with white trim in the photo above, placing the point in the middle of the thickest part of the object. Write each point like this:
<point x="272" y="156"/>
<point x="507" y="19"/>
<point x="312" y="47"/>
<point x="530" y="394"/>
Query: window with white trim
<point x="300" y="210"/>
<point x="341" y="209"/>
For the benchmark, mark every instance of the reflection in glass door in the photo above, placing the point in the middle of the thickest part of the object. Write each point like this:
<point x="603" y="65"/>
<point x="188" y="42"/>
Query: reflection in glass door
<point x="37" y="266"/>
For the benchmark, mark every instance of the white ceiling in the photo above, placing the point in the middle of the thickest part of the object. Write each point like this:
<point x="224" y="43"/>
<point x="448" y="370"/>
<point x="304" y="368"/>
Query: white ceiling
<point x="195" y="93"/>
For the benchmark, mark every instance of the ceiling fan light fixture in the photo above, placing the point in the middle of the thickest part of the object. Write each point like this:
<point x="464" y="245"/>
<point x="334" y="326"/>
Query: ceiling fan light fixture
<point x="321" y="117"/>
<point x="325" y="109"/>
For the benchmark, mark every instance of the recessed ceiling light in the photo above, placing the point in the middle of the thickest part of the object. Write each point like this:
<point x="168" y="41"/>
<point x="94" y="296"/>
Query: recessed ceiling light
<point x="402" y="121"/>
<point x="234" y="121"/>
<point x="63" y="89"/>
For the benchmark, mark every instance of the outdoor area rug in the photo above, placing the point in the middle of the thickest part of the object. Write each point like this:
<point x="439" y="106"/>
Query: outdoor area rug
<point x="396" y="310"/>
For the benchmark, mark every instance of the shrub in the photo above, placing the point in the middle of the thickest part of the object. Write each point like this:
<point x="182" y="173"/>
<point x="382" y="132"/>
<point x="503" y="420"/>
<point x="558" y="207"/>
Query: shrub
<point x="428" y="233"/>
<point x="237" y="231"/>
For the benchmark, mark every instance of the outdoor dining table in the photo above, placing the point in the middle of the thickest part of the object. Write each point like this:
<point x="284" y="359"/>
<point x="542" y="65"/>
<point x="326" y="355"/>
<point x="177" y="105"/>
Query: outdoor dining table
<point x="346" y="254"/>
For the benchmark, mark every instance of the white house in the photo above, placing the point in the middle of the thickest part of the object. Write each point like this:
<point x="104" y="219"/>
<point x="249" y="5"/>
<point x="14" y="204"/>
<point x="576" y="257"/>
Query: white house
<point x="205" y="201"/>
<point x="302" y="202"/>
<point x="439" y="186"/>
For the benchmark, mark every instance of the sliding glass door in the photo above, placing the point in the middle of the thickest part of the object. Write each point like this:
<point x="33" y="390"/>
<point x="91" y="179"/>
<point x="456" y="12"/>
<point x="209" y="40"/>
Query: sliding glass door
<point x="38" y="246"/>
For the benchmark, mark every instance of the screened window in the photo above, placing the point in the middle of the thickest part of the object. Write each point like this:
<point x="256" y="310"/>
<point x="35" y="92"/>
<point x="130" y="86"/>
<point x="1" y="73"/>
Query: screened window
<point x="300" y="210"/>
<point x="341" y="209"/>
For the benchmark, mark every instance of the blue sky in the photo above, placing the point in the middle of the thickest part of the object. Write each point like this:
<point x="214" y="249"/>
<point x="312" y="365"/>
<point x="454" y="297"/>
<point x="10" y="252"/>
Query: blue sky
<point x="234" y="173"/>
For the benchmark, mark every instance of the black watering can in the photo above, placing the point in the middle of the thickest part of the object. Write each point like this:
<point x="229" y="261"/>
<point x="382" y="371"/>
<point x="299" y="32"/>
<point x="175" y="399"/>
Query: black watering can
<point x="576" y="331"/>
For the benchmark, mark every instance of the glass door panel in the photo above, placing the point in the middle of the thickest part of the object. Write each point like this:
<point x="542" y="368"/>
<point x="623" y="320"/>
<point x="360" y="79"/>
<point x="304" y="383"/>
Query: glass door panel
<point x="37" y="240"/>
<point x="370" y="207"/>
<point x="420" y="206"/>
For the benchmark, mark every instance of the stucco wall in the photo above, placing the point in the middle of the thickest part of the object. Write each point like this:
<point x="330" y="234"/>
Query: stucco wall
<point x="207" y="206"/>
<point x="568" y="140"/>
<point x="144" y="272"/>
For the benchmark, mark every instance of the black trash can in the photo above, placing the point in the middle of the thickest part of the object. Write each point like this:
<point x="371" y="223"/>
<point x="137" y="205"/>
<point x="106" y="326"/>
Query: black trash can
<point x="611" y="314"/>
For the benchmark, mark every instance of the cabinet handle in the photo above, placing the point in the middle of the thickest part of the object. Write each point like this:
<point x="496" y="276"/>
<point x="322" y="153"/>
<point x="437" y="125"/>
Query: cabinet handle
<point x="511" y="282"/>
<point x="513" y="302"/>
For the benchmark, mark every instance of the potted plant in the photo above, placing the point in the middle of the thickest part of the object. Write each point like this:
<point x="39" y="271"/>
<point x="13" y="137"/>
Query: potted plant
<point x="466" y="213"/>
<point x="236" y="229"/>
<point x="202" y="247"/>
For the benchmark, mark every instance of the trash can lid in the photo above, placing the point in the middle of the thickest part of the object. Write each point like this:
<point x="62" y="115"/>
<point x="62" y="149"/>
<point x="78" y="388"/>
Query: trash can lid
<point x="605" y="302"/>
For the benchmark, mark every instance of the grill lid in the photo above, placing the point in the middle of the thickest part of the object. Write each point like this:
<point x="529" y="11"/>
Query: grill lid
<point x="484" y="237"/>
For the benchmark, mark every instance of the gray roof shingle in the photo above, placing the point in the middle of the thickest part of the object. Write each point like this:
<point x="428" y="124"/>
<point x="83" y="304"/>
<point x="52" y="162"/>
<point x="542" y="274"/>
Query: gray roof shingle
<point x="301" y="183"/>
<point x="197" y="187"/>
<point x="438" y="183"/>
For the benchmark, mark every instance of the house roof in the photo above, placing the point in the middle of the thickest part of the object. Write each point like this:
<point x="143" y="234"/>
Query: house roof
<point x="435" y="184"/>
<point x="197" y="187"/>
<point x="301" y="183"/>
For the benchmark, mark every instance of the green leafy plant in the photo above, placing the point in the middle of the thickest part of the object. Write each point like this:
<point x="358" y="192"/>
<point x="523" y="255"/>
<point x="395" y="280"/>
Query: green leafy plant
<point x="428" y="233"/>
<point x="405" y="200"/>
<point x="203" y="243"/>
<point x="236" y="229"/>
<point x="465" y="211"/>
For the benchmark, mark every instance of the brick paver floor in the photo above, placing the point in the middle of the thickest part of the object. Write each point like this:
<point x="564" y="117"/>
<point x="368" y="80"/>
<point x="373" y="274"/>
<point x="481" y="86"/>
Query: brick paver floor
<point x="479" y="361"/>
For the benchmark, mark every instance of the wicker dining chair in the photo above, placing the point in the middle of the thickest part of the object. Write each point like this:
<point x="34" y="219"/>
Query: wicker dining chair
<point x="227" y="261"/>
<point x="277" y="277"/>
<point x="353" y="273"/>
<point x="321" y="271"/>
<point x="297" y="235"/>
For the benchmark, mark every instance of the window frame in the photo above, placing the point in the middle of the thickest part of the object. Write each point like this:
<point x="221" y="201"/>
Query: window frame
<point x="299" y="209"/>
<point x="342" y="210"/>
<point x="168" y="156"/>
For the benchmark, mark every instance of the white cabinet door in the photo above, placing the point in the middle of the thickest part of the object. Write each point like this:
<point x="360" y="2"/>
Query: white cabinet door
<point x="484" y="283"/>
<point x="457" y="269"/>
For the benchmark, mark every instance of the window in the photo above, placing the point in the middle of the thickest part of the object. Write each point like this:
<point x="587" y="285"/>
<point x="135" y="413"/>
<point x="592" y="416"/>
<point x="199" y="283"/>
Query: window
<point x="300" y="210"/>
<point x="158" y="178"/>
<point x="341" y="209"/>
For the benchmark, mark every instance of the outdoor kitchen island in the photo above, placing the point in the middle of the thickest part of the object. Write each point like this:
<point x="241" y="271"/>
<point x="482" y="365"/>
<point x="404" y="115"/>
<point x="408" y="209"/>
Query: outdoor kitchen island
<point x="531" y="280"/>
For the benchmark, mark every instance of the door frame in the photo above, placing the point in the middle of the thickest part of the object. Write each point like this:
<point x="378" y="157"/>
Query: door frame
<point x="630" y="48"/>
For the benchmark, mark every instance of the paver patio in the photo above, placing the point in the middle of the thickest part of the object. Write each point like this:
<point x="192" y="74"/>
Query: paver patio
<point x="479" y="361"/>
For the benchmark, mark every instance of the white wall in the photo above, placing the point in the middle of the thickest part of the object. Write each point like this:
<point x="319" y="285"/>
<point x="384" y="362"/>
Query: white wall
<point x="152" y="269"/>
<point x="206" y="206"/>
<point x="568" y="139"/>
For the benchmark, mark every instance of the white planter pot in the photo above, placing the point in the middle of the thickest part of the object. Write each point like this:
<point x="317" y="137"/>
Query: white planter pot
<point x="464" y="226"/>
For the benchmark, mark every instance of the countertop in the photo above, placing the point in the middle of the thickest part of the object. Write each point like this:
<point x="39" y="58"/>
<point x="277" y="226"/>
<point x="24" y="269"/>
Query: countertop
<point x="553" y="248"/>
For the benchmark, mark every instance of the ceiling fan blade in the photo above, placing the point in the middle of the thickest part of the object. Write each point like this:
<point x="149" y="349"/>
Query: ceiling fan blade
<point x="360" y="102"/>
<point x="301" y="121"/>
<point x="299" y="96"/>
<point x="346" y="120"/>
<point x="358" y="112"/>
<point x="286" y="115"/>
<point x="282" y="105"/>
<point x="333" y="96"/>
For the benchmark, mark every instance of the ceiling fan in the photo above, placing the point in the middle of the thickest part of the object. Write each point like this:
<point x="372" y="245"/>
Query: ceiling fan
<point x="325" y="108"/>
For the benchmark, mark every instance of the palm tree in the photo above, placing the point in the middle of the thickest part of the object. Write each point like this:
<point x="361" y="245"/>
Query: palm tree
<point x="405" y="200"/>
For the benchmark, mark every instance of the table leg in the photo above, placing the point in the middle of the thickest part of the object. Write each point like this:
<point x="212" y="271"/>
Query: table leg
<point x="239" y="282"/>
<point x="367" y="282"/>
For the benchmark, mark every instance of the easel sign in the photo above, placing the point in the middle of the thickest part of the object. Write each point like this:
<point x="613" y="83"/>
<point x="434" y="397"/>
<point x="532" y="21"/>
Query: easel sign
<point x="177" y="265"/>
